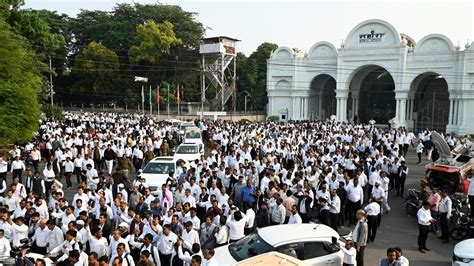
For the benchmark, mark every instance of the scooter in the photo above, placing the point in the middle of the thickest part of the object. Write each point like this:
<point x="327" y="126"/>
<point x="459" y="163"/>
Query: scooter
<point x="413" y="202"/>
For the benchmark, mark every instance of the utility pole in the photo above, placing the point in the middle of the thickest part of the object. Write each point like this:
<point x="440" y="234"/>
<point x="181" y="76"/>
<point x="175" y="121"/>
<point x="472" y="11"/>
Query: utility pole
<point x="51" y="81"/>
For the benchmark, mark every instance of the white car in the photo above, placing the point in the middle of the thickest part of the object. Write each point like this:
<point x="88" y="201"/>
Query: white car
<point x="157" y="171"/>
<point x="194" y="135"/>
<point x="182" y="128"/>
<point x="311" y="243"/>
<point x="463" y="254"/>
<point x="188" y="152"/>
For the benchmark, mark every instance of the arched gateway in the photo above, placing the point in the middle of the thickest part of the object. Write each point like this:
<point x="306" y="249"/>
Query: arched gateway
<point x="379" y="74"/>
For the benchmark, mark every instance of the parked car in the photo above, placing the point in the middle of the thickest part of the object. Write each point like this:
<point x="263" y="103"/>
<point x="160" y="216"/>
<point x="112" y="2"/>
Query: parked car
<point x="188" y="152"/>
<point x="157" y="171"/>
<point x="463" y="254"/>
<point x="194" y="135"/>
<point x="312" y="243"/>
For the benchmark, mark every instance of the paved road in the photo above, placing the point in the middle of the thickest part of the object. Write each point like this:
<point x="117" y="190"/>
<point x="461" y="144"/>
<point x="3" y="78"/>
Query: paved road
<point x="398" y="229"/>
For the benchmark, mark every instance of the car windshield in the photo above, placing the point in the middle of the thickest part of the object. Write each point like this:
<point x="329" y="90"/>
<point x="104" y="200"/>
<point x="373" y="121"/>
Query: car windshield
<point x="193" y="135"/>
<point x="186" y="150"/>
<point x="239" y="249"/>
<point x="444" y="180"/>
<point x="159" y="168"/>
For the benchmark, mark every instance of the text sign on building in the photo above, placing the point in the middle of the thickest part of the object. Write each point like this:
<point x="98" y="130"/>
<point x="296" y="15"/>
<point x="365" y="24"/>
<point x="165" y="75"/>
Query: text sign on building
<point x="371" y="37"/>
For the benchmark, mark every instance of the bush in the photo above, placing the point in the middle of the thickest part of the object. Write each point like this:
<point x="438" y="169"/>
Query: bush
<point x="54" y="111"/>
<point x="274" y="118"/>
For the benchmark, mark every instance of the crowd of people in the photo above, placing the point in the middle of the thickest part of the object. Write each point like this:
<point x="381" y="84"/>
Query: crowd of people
<point x="251" y="175"/>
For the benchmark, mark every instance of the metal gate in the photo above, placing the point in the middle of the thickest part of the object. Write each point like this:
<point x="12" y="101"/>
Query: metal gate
<point x="434" y="116"/>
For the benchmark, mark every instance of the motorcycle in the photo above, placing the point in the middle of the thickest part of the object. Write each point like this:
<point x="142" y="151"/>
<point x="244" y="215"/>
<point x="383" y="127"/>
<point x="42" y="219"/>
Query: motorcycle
<point x="413" y="202"/>
<point x="460" y="223"/>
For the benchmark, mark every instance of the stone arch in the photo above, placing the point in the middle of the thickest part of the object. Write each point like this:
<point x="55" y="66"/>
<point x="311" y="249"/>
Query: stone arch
<point x="283" y="53"/>
<point x="434" y="43"/>
<point x="429" y="105"/>
<point x="322" y="49"/>
<point x="372" y="94"/>
<point x="372" y="32"/>
<point x="322" y="97"/>
<point x="282" y="85"/>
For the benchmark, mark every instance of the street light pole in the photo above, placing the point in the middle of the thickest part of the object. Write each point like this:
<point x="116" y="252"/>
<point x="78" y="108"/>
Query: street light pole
<point x="51" y="81"/>
<point x="245" y="104"/>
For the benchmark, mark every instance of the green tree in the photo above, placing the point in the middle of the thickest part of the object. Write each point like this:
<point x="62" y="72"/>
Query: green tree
<point x="155" y="40"/>
<point x="252" y="73"/>
<point x="97" y="59"/>
<point x="20" y="82"/>
<point x="97" y="65"/>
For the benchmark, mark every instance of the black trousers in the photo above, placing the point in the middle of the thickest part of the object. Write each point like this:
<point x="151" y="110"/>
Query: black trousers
<point x="423" y="231"/>
<point x="405" y="149"/>
<point x="304" y="218"/>
<point x="165" y="259"/>
<point x="444" y="225"/>
<point x="17" y="173"/>
<point x="77" y="172"/>
<point x="334" y="220"/>
<point x="68" y="179"/>
<point x="372" y="226"/>
<point x="400" y="185"/>
<point x="419" y="156"/>
<point x="353" y="208"/>
<point x="392" y="177"/>
<point x="36" y="249"/>
<point x="360" y="256"/>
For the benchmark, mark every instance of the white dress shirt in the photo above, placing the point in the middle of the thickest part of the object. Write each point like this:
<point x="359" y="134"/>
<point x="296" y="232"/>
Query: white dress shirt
<point x="4" y="247"/>
<point x="424" y="216"/>
<point x="166" y="243"/>
<point x="41" y="236"/>
<point x="56" y="238"/>
<point x="295" y="219"/>
<point x="372" y="209"/>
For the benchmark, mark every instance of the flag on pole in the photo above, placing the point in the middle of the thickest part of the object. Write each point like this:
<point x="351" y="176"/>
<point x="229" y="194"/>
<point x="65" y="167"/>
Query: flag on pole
<point x="143" y="95"/>
<point x="178" y="97"/>
<point x="158" y="95"/>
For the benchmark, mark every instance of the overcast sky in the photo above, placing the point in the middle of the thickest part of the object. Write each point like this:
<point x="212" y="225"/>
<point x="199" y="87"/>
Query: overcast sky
<point x="302" y="23"/>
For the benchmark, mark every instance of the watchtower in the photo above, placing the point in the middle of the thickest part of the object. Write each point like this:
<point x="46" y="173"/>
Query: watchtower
<point x="218" y="70"/>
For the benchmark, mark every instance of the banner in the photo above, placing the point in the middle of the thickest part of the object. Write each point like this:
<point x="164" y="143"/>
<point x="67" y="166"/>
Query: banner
<point x="143" y="95"/>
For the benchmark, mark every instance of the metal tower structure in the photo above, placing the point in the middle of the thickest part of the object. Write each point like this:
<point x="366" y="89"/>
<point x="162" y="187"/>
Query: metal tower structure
<point x="218" y="70"/>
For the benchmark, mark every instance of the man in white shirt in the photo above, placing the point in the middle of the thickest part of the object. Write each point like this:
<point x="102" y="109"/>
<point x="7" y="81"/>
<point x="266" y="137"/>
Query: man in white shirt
<point x="127" y="259"/>
<point x="424" y="222"/>
<point x="68" y="170"/>
<point x="334" y="209"/>
<point x="210" y="259"/>
<point x="355" y="199"/>
<point x="295" y="217"/>
<point x="166" y="244"/>
<point x="56" y="235"/>
<point x="372" y="211"/>
<point x="4" y="245"/>
<point x="445" y="208"/>
<point x="41" y="238"/>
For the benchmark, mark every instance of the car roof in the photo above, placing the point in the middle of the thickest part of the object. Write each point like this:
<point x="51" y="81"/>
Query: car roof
<point x="274" y="235"/>
<point x="188" y="144"/>
<point x="163" y="159"/>
<point x="464" y="248"/>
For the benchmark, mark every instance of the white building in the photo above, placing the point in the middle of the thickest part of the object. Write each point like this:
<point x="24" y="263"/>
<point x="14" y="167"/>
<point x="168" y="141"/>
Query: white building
<point x="377" y="74"/>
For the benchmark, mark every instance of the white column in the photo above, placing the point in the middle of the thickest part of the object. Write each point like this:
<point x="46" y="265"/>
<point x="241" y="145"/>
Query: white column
<point x="320" y="106"/>
<point x="451" y="111"/>
<point x="306" y="108"/>
<point x="464" y="104"/>
<point x="271" y="105"/>
<point x="403" y="110"/>
<point x="293" y="110"/>
<point x="456" y="112"/>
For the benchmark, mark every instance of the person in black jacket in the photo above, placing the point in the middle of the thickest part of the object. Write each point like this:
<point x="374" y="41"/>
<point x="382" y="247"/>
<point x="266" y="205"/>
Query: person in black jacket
<point x="323" y="216"/>
<point x="304" y="206"/>
<point x="263" y="216"/>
